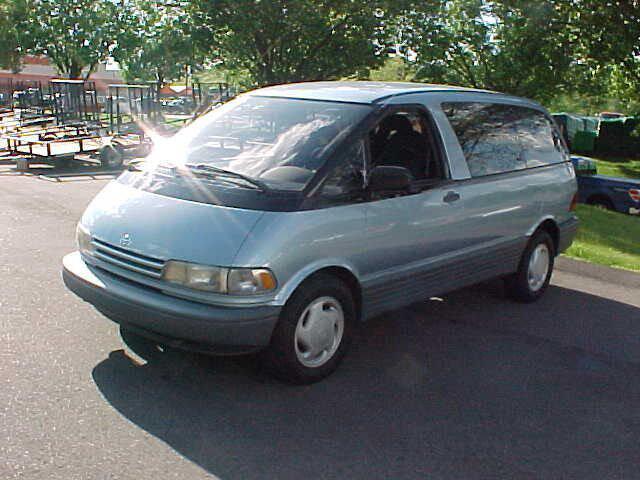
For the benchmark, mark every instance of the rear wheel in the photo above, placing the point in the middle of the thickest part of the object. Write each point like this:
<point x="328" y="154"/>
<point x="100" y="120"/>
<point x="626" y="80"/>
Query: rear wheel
<point x="313" y="332"/>
<point x="531" y="280"/>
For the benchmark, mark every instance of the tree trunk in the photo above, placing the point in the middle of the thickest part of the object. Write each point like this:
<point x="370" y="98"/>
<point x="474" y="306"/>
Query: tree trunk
<point x="91" y="69"/>
<point x="160" y="77"/>
<point x="75" y="70"/>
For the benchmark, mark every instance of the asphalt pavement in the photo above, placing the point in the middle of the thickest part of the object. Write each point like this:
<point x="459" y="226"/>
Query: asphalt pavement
<point x="469" y="386"/>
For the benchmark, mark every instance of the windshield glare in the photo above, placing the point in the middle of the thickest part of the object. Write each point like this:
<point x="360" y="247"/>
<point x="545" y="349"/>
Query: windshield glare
<point x="280" y="141"/>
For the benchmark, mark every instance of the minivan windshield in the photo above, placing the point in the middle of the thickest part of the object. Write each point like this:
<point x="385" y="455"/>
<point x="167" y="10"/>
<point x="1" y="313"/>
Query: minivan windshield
<point x="277" y="142"/>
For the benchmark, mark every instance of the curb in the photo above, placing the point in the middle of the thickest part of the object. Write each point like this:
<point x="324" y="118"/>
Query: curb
<point x="598" y="272"/>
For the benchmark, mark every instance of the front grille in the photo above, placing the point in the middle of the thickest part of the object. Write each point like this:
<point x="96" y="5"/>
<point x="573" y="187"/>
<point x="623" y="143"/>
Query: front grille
<point x="127" y="259"/>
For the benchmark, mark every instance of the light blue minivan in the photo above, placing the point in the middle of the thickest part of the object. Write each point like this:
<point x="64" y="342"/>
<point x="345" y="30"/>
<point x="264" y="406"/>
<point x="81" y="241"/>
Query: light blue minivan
<point x="278" y="221"/>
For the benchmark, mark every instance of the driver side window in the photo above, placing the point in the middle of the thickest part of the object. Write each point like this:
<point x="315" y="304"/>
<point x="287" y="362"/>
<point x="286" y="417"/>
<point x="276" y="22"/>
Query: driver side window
<point x="405" y="139"/>
<point x="346" y="182"/>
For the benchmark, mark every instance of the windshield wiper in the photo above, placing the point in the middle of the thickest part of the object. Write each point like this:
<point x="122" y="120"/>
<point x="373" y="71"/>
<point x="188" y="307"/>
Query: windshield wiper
<point x="213" y="172"/>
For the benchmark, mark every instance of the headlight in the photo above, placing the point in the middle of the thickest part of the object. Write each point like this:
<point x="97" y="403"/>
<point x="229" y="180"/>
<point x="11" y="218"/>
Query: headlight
<point x="198" y="277"/>
<point x="235" y="281"/>
<point x="83" y="238"/>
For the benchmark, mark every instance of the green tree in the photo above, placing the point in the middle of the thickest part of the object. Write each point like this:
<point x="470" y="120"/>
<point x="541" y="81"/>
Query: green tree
<point x="540" y="48"/>
<point x="74" y="34"/>
<point x="13" y="18"/>
<point x="519" y="47"/>
<point x="607" y="31"/>
<point x="157" y="42"/>
<point x="607" y="40"/>
<point x="394" y="68"/>
<point x="281" y="41"/>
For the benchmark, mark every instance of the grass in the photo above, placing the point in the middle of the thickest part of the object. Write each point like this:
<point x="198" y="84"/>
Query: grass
<point x="607" y="238"/>
<point x="618" y="167"/>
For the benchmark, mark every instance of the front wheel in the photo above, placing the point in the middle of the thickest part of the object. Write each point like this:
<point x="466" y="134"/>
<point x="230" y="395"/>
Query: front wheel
<point x="534" y="271"/>
<point x="141" y="346"/>
<point x="313" y="332"/>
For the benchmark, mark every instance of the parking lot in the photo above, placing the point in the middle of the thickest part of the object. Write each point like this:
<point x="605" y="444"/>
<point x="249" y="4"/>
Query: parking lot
<point x="467" y="386"/>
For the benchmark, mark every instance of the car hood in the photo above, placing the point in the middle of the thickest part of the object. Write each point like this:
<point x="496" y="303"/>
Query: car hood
<point x="168" y="228"/>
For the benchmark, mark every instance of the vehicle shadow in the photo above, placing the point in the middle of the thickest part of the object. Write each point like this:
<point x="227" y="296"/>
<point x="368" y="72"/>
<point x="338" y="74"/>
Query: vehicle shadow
<point x="437" y="390"/>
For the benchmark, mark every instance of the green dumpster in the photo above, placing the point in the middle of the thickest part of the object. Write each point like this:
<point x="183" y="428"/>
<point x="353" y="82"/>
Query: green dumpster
<point x="584" y="142"/>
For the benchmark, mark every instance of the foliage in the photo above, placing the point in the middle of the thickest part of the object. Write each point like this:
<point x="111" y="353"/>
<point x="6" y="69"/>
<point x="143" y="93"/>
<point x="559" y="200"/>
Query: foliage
<point x="590" y="104"/>
<point x="607" y="238"/>
<point x="581" y="52"/>
<point x="394" y="69"/>
<point x="282" y="41"/>
<point x="537" y="49"/>
<point x="156" y="43"/>
<point x="13" y="16"/>
<point x="74" y="34"/>
<point x="220" y="74"/>
<point x="605" y="47"/>
<point x="607" y="32"/>
<point x="624" y="84"/>
<point x="517" y="47"/>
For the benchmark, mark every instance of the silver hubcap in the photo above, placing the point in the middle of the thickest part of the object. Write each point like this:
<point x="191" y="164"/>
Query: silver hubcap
<point x="538" y="267"/>
<point x="319" y="331"/>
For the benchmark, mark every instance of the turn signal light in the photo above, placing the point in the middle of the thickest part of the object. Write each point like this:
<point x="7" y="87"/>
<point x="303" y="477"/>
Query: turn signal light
<point x="634" y="193"/>
<point x="574" y="202"/>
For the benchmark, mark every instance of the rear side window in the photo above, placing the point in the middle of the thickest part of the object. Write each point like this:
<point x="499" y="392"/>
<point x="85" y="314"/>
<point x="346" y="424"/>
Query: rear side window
<point x="499" y="138"/>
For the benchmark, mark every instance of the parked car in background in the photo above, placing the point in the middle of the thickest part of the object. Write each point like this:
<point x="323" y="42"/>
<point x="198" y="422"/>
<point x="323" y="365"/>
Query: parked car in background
<point x="619" y="194"/>
<point x="178" y="105"/>
<point x="279" y="220"/>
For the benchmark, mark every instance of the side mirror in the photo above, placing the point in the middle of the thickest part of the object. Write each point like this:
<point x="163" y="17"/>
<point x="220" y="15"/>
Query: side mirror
<point x="388" y="178"/>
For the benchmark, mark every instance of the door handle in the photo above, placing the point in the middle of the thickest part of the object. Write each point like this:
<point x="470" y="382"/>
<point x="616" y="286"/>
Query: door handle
<point x="451" y="197"/>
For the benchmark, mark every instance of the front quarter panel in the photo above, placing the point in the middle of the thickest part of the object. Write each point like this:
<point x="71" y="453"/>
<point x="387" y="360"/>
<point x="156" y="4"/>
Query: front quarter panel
<point x="296" y="244"/>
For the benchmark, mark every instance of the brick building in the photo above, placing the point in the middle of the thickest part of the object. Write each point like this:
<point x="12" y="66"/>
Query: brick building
<point x="39" y="68"/>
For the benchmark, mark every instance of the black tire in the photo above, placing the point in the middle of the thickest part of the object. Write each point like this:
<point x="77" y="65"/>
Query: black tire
<point x="111" y="156"/>
<point x="141" y="346"/>
<point x="517" y="285"/>
<point x="601" y="202"/>
<point x="281" y="358"/>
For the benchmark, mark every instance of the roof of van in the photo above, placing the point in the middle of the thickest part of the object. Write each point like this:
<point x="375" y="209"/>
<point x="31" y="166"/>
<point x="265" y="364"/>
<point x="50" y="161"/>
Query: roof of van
<point x="355" y="92"/>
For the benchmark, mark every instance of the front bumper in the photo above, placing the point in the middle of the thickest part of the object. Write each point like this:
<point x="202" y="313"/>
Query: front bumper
<point x="170" y="320"/>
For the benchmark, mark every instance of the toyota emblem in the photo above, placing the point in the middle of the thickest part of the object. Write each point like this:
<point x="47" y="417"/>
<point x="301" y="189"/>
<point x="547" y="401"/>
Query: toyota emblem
<point x="125" y="240"/>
